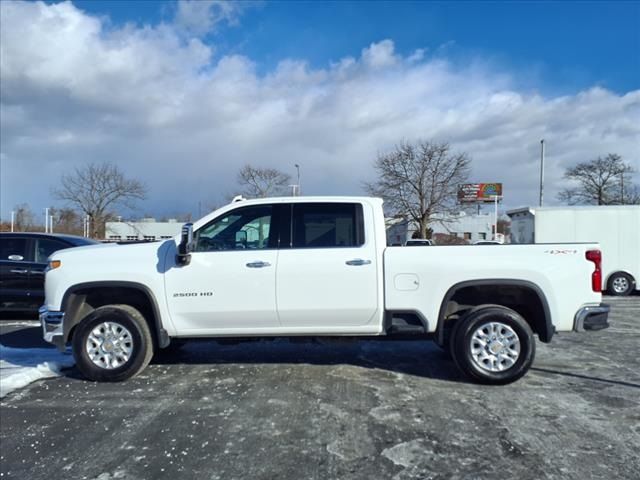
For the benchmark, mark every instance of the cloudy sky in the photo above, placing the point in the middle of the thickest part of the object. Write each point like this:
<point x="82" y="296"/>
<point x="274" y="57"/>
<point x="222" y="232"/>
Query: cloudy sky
<point x="181" y="95"/>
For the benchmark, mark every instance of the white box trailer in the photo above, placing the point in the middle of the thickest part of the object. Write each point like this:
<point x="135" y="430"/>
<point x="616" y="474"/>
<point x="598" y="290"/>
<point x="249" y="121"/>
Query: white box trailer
<point x="616" y="228"/>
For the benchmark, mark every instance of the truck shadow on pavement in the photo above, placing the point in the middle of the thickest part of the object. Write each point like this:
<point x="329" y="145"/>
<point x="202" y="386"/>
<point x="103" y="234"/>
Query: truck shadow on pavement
<point x="416" y="358"/>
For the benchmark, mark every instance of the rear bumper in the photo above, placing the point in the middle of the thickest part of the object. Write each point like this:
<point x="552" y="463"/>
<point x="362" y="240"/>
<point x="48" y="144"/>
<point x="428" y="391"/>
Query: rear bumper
<point x="592" y="317"/>
<point x="52" y="326"/>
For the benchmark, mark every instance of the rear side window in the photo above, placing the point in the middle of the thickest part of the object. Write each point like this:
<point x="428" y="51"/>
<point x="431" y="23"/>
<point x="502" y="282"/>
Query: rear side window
<point x="327" y="225"/>
<point x="46" y="246"/>
<point x="14" y="249"/>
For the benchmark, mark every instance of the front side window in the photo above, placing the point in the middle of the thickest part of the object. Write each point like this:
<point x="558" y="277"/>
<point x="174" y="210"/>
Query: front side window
<point x="246" y="228"/>
<point x="327" y="225"/>
<point x="46" y="246"/>
<point x="14" y="249"/>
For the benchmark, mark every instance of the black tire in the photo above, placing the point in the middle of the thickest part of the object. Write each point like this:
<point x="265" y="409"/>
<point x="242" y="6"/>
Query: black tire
<point x="461" y="344"/>
<point x="141" y="343"/>
<point x="620" y="284"/>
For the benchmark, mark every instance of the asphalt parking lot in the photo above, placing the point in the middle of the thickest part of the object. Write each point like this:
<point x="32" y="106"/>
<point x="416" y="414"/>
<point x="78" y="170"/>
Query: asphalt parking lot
<point x="363" y="409"/>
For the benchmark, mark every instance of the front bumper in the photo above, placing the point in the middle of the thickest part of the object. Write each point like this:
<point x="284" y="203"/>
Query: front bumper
<point x="52" y="326"/>
<point x="592" y="317"/>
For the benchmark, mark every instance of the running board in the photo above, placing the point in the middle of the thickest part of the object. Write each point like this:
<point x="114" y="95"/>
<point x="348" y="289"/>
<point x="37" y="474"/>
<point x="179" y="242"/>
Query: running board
<point x="406" y="330"/>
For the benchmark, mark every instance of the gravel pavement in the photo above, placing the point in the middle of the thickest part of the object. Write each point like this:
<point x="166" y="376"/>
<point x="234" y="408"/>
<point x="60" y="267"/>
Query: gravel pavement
<point x="348" y="410"/>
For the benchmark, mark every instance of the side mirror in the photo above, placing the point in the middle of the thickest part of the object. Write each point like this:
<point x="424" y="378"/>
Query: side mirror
<point x="186" y="245"/>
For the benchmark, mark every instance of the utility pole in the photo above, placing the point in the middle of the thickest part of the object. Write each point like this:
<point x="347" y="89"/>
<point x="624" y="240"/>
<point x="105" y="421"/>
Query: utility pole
<point x="13" y="219"/>
<point x="298" y="182"/>
<point x="541" y="172"/>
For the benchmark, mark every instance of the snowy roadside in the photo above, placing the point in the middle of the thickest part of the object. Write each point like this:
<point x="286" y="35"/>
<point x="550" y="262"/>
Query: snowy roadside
<point x="21" y="366"/>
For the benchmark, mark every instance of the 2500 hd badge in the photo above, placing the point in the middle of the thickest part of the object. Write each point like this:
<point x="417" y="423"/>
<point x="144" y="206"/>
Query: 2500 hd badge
<point x="193" y="294"/>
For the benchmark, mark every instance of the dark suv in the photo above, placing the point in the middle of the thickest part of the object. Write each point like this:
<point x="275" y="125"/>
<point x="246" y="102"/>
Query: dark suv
<point x="23" y="258"/>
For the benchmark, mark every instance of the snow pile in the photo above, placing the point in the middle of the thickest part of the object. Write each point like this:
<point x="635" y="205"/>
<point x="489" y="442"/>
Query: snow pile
<point x="21" y="366"/>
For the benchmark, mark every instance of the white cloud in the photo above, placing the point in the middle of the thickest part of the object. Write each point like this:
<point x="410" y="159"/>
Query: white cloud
<point x="380" y="55"/>
<point x="166" y="110"/>
<point x="200" y="17"/>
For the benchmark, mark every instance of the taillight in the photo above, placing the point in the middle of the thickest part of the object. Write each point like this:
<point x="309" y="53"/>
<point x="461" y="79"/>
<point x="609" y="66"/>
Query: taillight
<point x="595" y="256"/>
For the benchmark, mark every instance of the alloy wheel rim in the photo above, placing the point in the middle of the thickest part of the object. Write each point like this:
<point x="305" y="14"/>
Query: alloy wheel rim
<point x="109" y="345"/>
<point x="620" y="284"/>
<point x="495" y="347"/>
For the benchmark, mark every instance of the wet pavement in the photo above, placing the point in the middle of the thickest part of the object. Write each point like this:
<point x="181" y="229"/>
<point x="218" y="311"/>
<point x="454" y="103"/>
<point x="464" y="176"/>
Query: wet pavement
<point x="351" y="410"/>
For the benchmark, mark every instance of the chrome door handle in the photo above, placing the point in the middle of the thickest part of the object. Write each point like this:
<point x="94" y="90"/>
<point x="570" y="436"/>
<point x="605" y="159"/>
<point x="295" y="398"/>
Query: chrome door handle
<point x="258" y="264"/>
<point x="21" y="270"/>
<point x="356" y="262"/>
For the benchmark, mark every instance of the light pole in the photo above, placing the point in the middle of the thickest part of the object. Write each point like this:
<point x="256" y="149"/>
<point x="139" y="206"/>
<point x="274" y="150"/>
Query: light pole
<point x="46" y="220"/>
<point x="13" y="219"/>
<point x="495" y="224"/>
<point x="298" y="182"/>
<point x="541" y="171"/>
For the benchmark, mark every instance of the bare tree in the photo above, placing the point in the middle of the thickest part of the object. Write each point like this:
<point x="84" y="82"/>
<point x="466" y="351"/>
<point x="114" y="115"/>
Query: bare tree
<point x="603" y="181"/>
<point x="66" y="220"/>
<point x="97" y="188"/>
<point x="504" y="227"/>
<point x="262" y="182"/>
<point x="24" y="219"/>
<point x="419" y="180"/>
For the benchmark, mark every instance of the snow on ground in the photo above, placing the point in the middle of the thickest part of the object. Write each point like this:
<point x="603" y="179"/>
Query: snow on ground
<point x="21" y="366"/>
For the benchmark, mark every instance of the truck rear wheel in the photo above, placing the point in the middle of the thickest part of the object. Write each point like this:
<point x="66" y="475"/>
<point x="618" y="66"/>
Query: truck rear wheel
<point x="493" y="345"/>
<point x="620" y="284"/>
<point x="113" y="343"/>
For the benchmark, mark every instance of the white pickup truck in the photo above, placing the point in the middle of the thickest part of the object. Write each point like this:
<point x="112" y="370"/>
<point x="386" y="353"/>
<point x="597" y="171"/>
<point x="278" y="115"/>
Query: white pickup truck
<point x="316" y="266"/>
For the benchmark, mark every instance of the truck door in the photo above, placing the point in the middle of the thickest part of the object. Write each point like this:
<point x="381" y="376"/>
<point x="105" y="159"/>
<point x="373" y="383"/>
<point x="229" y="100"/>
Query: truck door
<point x="327" y="278"/>
<point x="16" y="260"/>
<point x="230" y="282"/>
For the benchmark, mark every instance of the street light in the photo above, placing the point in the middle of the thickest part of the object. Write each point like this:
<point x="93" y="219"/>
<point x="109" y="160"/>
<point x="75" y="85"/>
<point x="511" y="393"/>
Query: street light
<point x="541" y="170"/>
<point x="298" y="183"/>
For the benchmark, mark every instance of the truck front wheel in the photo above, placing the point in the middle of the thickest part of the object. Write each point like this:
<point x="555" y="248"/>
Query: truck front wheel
<point x="113" y="343"/>
<point x="493" y="345"/>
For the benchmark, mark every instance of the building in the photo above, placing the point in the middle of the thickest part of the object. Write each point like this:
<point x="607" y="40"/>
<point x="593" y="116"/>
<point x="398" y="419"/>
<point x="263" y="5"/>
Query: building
<point x="146" y="229"/>
<point x="466" y="228"/>
<point x="522" y="225"/>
